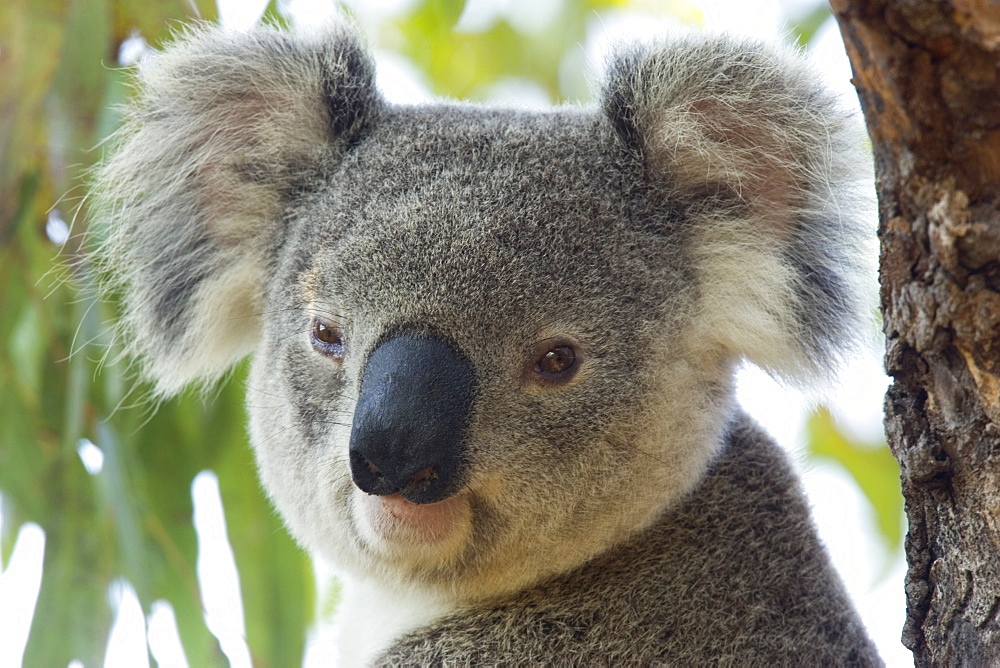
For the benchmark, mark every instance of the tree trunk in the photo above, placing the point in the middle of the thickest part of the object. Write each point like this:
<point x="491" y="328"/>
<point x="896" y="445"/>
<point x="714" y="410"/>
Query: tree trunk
<point x="928" y="75"/>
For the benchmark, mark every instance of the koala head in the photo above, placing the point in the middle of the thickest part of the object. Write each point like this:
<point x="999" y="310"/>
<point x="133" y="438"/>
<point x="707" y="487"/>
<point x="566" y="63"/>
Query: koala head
<point x="487" y="344"/>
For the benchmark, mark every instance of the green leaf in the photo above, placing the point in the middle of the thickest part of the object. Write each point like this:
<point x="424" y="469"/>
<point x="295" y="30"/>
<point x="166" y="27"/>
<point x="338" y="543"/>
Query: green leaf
<point x="276" y="575"/>
<point x="33" y="35"/>
<point x="804" y="28"/>
<point x="72" y="617"/>
<point x="870" y="465"/>
<point x="28" y="346"/>
<point x="446" y="12"/>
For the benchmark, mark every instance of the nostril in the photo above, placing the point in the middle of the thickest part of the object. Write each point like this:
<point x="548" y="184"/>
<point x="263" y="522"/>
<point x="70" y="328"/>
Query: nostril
<point x="420" y="483"/>
<point x="423" y="476"/>
<point x="369" y="477"/>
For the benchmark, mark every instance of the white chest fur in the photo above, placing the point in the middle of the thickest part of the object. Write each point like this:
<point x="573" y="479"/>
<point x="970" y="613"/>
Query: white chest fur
<point x="370" y="617"/>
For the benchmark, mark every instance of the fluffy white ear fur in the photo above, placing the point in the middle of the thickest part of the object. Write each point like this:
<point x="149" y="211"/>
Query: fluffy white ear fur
<point x="224" y="126"/>
<point x="766" y="167"/>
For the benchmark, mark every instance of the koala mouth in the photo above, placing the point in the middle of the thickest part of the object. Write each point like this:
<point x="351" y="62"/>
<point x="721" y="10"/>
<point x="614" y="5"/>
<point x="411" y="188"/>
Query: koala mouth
<point x="394" y="519"/>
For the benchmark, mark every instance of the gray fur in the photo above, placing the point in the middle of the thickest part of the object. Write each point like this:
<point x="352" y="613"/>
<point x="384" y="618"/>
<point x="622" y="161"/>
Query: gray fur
<point x="778" y="603"/>
<point x="703" y="214"/>
<point x="220" y="136"/>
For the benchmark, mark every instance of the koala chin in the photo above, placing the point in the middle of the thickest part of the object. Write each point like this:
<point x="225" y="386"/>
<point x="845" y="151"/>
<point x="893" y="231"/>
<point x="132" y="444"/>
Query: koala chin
<point x="493" y="350"/>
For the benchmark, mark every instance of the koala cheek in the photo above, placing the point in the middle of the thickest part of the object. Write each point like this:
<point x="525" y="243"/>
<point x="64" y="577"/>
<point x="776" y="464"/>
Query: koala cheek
<point x="294" y="433"/>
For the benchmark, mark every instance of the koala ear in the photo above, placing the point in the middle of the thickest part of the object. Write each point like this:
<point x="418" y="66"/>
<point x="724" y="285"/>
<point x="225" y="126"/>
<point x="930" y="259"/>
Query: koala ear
<point x="224" y="130"/>
<point x="745" y="142"/>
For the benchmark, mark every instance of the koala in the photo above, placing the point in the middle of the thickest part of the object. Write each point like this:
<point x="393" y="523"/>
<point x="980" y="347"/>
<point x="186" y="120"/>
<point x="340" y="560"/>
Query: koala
<point x="493" y="350"/>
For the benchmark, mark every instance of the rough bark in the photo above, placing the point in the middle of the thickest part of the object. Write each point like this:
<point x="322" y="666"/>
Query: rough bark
<point x="928" y="75"/>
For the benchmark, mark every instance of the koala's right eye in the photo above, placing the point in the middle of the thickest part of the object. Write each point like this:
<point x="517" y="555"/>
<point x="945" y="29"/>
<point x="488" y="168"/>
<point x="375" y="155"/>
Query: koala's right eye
<point x="554" y="362"/>
<point x="327" y="339"/>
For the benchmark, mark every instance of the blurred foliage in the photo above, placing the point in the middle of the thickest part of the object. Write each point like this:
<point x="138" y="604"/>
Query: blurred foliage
<point x="59" y="374"/>
<point x="133" y="520"/>
<point x="805" y="27"/>
<point x="872" y="467"/>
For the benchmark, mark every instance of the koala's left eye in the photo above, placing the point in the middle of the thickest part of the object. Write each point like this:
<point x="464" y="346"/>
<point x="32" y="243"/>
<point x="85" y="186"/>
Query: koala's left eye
<point x="554" y="362"/>
<point x="327" y="339"/>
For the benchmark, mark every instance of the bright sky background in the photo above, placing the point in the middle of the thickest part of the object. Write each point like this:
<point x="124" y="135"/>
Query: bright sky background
<point x="839" y="510"/>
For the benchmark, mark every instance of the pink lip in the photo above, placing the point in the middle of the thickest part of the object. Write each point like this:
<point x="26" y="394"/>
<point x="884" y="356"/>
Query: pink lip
<point x="395" y="518"/>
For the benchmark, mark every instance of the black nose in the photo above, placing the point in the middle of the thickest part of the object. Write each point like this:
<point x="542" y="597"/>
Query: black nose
<point x="410" y="422"/>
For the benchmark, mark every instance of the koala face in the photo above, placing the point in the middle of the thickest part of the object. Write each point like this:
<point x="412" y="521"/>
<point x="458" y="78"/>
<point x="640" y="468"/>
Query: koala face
<point x="487" y="344"/>
<point x="453" y="363"/>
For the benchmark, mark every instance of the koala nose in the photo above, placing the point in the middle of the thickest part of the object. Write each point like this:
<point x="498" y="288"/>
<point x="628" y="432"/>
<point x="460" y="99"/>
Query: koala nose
<point x="410" y="421"/>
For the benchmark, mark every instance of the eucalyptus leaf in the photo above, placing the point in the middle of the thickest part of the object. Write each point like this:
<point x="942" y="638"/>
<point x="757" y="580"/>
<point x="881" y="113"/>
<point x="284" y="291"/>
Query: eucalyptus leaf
<point x="870" y="465"/>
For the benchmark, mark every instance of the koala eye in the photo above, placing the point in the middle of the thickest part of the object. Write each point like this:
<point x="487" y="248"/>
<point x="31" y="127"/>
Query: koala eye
<point x="327" y="339"/>
<point x="555" y="361"/>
